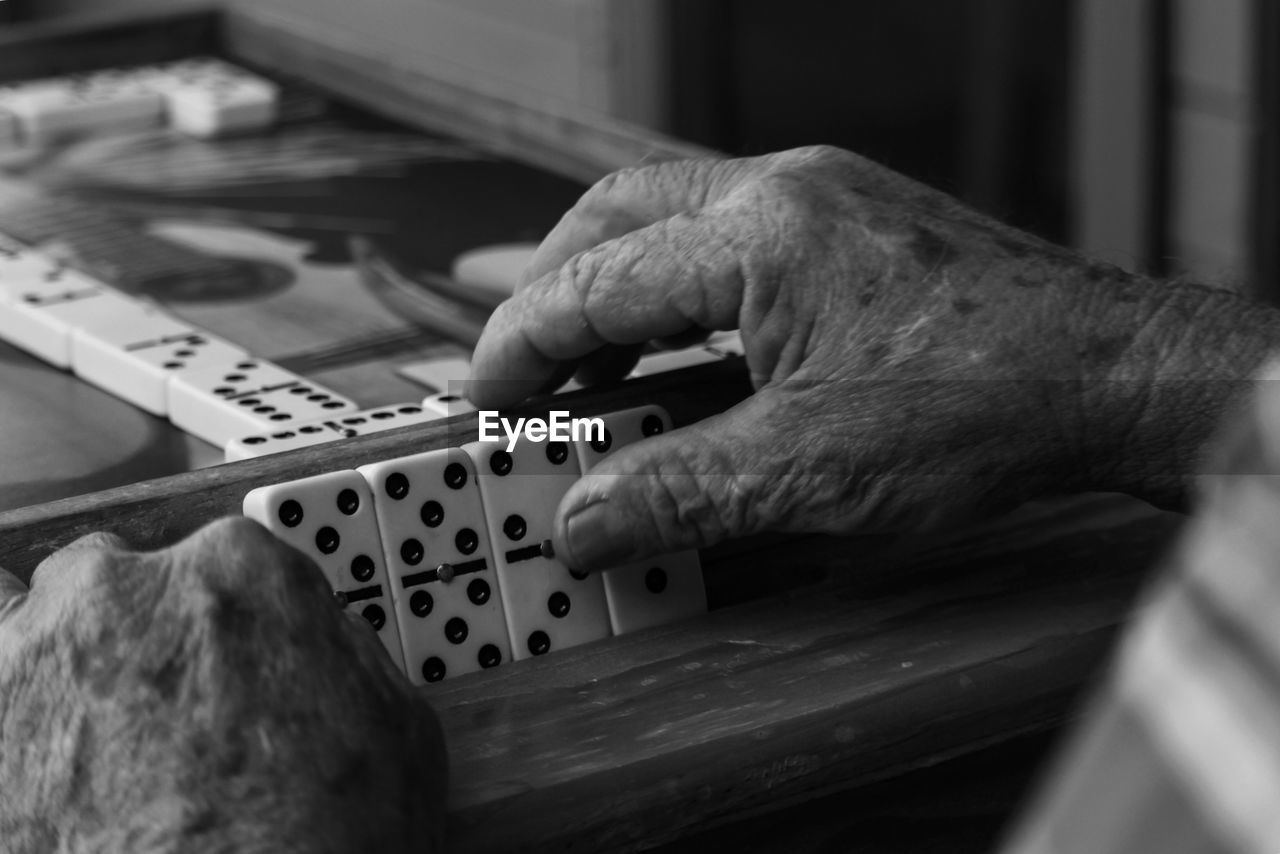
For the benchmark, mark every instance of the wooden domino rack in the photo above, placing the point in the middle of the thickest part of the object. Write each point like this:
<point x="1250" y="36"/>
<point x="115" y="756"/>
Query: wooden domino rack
<point x="827" y="668"/>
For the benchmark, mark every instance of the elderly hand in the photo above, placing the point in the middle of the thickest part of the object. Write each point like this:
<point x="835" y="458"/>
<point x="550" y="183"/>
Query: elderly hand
<point x="915" y="363"/>
<point x="208" y="697"/>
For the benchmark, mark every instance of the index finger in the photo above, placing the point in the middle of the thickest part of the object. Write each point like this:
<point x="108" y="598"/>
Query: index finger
<point x="672" y="276"/>
<point x="631" y="199"/>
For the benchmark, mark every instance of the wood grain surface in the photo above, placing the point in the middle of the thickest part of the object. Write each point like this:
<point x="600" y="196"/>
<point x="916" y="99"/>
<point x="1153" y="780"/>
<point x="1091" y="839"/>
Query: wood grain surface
<point x="892" y="665"/>
<point x="577" y="144"/>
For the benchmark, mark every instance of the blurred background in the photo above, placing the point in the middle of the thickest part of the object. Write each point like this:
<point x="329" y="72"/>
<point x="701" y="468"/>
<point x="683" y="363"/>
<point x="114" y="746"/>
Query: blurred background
<point x="1141" y="131"/>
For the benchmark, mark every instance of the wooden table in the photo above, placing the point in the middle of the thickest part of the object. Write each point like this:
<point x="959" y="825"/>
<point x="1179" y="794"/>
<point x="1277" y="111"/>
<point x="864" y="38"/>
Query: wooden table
<point x="832" y="677"/>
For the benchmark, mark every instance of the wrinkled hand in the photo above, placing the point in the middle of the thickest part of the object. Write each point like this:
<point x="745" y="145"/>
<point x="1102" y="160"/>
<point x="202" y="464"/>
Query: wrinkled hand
<point x="916" y="364"/>
<point x="208" y="697"/>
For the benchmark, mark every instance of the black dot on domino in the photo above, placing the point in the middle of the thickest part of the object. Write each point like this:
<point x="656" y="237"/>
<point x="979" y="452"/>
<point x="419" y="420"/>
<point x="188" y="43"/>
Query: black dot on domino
<point x="455" y="631"/>
<point x="478" y="591"/>
<point x="254" y="440"/>
<point x="467" y="541"/>
<point x="362" y="568"/>
<point x="455" y="476"/>
<point x="327" y="540"/>
<point x="489" y="656"/>
<point x="656" y="579"/>
<point x="500" y="463"/>
<point x="396" y="485"/>
<point x="539" y="643"/>
<point x="603" y="443"/>
<point x="558" y="605"/>
<point x="411" y="552"/>
<point x="174" y="365"/>
<point x="432" y="514"/>
<point x="348" y="502"/>
<point x="514" y="527"/>
<point x="651" y="425"/>
<point x="433" y="669"/>
<point x="376" y="616"/>
<point x="557" y="452"/>
<point x="290" y="514"/>
<point x="421" y="603"/>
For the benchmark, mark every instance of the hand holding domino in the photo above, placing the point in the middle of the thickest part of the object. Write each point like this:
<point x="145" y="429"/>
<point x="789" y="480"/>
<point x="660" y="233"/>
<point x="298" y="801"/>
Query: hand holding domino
<point x="915" y="363"/>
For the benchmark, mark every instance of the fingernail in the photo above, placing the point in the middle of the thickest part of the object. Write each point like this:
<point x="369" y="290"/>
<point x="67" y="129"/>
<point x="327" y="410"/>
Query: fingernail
<point x="597" y="537"/>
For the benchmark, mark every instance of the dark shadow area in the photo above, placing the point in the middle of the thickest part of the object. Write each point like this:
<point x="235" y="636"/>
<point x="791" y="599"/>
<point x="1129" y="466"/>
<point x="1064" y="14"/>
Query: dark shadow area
<point x="970" y="96"/>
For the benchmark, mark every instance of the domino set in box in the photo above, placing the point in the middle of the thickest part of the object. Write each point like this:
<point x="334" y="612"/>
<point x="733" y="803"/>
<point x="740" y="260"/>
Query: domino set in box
<point x="448" y="555"/>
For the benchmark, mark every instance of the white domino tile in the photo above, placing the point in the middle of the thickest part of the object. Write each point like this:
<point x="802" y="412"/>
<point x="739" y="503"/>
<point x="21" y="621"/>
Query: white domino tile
<point x="136" y="358"/>
<point x="438" y="558"/>
<point x="548" y="608"/>
<point x="245" y="397"/>
<point x="659" y="590"/>
<point x="318" y="432"/>
<point x="331" y="519"/>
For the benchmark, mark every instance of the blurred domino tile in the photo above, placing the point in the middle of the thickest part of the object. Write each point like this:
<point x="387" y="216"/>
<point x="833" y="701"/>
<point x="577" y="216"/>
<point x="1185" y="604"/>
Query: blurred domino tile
<point x="201" y="97"/>
<point x="329" y="429"/>
<point x="138" y="352"/>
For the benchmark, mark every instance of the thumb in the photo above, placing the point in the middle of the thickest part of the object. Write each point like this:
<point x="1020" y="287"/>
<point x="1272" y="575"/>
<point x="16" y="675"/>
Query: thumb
<point x="690" y="488"/>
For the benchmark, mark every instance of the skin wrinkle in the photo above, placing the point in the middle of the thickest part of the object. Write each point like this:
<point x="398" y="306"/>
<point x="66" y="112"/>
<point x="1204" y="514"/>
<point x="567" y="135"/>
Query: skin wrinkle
<point x="686" y="495"/>
<point x="242" y="735"/>
<point x="795" y="351"/>
<point x="997" y="346"/>
<point x="596" y="296"/>
<point x="695" y="303"/>
<point x="579" y="276"/>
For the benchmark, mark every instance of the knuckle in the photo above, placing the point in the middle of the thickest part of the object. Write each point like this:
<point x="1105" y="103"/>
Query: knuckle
<point x="609" y="186"/>
<point x="98" y="566"/>
<point x="237" y="552"/>
<point x="577" y="274"/>
<point x="691" y="504"/>
<point x="815" y="157"/>
<point x="606" y="274"/>
<point x="101" y="541"/>
<point x="90" y="562"/>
